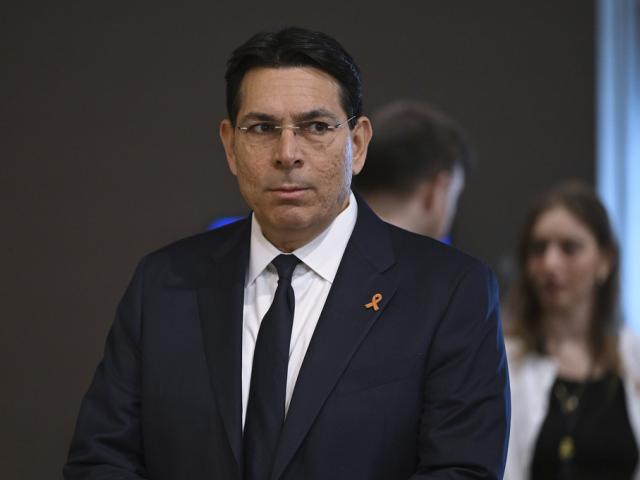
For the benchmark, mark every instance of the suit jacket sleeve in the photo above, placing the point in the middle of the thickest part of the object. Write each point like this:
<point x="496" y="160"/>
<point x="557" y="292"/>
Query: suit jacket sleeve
<point x="465" y="422"/>
<point x="107" y="441"/>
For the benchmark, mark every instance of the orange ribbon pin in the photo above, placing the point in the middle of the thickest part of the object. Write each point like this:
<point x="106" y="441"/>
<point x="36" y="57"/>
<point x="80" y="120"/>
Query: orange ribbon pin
<point x="374" y="302"/>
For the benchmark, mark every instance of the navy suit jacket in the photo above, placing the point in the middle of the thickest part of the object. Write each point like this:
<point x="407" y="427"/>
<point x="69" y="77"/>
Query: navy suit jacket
<point x="415" y="389"/>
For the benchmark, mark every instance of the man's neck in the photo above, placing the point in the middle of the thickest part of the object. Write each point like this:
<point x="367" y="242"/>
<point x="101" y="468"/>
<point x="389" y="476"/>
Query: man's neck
<point x="291" y="240"/>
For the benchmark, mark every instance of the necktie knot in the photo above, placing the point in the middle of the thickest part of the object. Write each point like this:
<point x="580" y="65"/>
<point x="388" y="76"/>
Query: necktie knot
<point x="285" y="265"/>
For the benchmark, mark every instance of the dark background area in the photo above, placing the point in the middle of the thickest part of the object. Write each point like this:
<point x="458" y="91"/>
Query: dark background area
<point x="109" y="149"/>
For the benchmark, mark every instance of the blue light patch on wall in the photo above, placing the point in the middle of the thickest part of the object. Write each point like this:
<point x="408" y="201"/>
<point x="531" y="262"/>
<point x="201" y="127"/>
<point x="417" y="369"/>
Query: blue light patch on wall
<point x="618" y="110"/>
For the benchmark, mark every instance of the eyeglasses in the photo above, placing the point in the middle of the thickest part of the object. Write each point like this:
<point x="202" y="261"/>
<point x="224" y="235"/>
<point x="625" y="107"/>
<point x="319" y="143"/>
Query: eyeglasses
<point x="312" y="132"/>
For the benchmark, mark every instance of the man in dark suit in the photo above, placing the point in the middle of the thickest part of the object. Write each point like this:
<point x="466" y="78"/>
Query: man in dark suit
<point x="310" y="340"/>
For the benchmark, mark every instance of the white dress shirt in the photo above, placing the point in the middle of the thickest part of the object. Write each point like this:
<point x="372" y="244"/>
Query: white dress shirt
<point x="311" y="282"/>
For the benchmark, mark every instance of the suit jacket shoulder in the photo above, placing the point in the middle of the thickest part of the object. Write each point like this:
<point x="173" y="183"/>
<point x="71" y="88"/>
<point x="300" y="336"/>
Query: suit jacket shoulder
<point x="187" y="262"/>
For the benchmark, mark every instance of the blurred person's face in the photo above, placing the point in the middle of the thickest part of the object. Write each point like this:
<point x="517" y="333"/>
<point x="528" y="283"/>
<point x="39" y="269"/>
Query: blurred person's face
<point x="294" y="187"/>
<point x="565" y="263"/>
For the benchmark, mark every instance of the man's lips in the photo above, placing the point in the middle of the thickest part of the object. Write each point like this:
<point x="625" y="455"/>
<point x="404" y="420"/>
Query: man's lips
<point x="289" y="191"/>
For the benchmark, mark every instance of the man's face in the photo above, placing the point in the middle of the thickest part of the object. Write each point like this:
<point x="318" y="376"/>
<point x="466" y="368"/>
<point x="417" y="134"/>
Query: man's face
<point x="295" y="188"/>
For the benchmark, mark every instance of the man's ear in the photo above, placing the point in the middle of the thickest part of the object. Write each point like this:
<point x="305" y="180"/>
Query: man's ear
<point x="227" y="135"/>
<point x="360" y="138"/>
<point x="436" y="189"/>
<point x="427" y="192"/>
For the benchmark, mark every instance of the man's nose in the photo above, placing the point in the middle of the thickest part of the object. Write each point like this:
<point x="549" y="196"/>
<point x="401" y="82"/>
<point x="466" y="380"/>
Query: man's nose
<point x="288" y="149"/>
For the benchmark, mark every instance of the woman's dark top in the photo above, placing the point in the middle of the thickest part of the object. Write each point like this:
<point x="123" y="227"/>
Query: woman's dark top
<point x="586" y="434"/>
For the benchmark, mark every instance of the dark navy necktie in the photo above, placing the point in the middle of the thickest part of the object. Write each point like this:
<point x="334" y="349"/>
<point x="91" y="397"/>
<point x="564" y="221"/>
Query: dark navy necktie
<point x="265" y="409"/>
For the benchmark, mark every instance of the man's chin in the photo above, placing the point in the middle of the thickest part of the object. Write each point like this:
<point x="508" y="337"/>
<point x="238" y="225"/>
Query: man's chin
<point x="292" y="221"/>
<point x="287" y="217"/>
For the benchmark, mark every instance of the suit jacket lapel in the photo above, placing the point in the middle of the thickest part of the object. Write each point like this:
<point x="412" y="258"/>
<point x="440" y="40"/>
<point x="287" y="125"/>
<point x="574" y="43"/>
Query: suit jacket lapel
<point x="220" y="304"/>
<point x="343" y="324"/>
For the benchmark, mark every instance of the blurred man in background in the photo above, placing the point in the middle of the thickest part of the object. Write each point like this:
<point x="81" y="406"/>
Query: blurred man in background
<point x="416" y="167"/>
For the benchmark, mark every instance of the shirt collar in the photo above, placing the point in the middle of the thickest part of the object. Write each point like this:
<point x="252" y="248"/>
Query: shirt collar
<point x="322" y="254"/>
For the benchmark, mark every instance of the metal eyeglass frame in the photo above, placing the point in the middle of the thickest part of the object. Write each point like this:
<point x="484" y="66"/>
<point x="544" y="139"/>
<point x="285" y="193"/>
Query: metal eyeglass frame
<point x="295" y="127"/>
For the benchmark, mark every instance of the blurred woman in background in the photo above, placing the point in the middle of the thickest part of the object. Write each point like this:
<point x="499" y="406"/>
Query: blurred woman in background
<point x="575" y="373"/>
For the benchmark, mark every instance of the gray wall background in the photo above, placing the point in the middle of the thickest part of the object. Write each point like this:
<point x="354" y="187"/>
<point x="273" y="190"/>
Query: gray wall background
<point x="109" y="149"/>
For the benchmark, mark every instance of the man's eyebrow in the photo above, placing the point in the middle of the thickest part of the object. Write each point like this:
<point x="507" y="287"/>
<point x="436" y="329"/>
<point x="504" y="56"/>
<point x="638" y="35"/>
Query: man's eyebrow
<point x="296" y="117"/>
<point x="312" y="114"/>
<point x="262" y="117"/>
